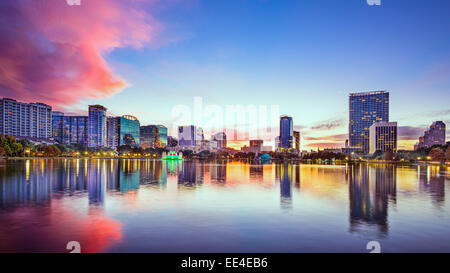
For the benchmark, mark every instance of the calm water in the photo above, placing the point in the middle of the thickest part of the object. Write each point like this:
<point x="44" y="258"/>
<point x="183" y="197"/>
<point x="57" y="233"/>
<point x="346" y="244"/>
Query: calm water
<point x="156" y="206"/>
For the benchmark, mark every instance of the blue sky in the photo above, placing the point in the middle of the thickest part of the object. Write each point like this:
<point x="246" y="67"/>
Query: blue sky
<point x="305" y="56"/>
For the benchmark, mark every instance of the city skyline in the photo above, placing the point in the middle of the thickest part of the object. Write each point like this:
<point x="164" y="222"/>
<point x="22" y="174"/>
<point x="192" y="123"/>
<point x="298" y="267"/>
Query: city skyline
<point x="307" y="59"/>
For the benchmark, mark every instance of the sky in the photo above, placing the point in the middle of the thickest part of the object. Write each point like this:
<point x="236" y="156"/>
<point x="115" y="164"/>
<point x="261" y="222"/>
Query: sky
<point x="150" y="58"/>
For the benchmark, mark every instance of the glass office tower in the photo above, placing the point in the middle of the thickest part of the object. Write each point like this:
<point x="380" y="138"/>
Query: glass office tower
<point x="70" y="129"/>
<point x="366" y="109"/>
<point x="162" y="130"/>
<point x="97" y="126"/>
<point x="129" y="131"/>
<point x="286" y="132"/>
<point x="153" y="136"/>
<point x="123" y="131"/>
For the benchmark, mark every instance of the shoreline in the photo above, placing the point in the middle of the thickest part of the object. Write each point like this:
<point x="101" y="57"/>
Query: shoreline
<point x="301" y="161"/>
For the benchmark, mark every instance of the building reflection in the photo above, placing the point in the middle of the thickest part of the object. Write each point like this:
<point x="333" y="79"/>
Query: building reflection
<point x="284" y="173"/>
<point x="187" y="175"/>
<point x="219" y="173"/>
<point x="371" y="189"/>
<point x="256" y="172"/>
<point x="24" y="184"/>
<point x="153" y="172"/>
<point x="432" y="182"/>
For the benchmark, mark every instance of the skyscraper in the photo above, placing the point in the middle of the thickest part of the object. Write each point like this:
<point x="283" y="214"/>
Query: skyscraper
<point x="366" y="109"/>
<point x="70" y="129"/>
<point x="297" y="141"/>
<point x="190" y="135"/>
<point x="97" y="126"/>
<point x="29" y="120"/>
<point x="124" y="130"/>
<point x="435" y="135"/>
<point x="162" y="130"/>
<point x="286" y="133"/>
<point x="383" y="137"/>
<point x="221" y="139"/>
<point x="153" y="136"/>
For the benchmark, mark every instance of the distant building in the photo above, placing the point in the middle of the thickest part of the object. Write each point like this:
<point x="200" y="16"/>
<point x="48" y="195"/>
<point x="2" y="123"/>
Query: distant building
<point x="266" y="149"/>
<point x="297" y="141"/>
<point x="28" y="120"/>
<point x="190" y="136"/>
<point x="171" y="141"/>
<point x="383" y="137"/>
<point x="364" y="110"/>
<point x="70" y="129"/>
<point x="210" y="145"/>
<point x="162" y="135"/>
<point x="97" y="126"/>
<point x="221" y="139"/>
<point x="153" y="136"/>
<point x="435" y="135"/>
<point x="286" y="133"/>
<point x="112" y="132"/>
<point x="256" y="145"/>
<point x="123" y="130"/>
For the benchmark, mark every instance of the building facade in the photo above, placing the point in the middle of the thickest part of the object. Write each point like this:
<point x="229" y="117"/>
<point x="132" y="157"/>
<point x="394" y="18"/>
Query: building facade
<point x="221" y="139"/>
<point x="153" y="136"/>
<point x="124" y="130"/>
<point x="286" y="140"/>
<point x="364" y="110"/>
<point x="297" y="141"/>
<point x="29" y="120"/>
<point x="70" y="129"/>
<point x="435" y="135"/>
<point x="256" y="145"/>
<point x="190" y="136"/>
<point x="97" y="126"/>
<point x="383" y="137"/>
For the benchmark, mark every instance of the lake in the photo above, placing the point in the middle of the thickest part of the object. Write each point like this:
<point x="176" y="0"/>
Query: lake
<point x="144" y="205"/>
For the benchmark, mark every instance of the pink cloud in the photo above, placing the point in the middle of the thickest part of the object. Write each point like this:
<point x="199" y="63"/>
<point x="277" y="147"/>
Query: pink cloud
<point x="54" y="53"/>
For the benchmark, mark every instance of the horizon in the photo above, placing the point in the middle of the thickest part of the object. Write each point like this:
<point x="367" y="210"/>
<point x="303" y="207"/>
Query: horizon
<point x="306" y="59"/>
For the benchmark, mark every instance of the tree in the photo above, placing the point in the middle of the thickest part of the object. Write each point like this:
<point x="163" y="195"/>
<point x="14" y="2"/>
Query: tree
<point x="2" y="151"/>
<point x="377" y="154"/>
<point x="388" y="155"/>
<point x="172" y="142"/>
<point x="16" y="148"/>
<point x="437" y="154"/>
<point x="187" y="153"/>
<point x="447" y="154"/>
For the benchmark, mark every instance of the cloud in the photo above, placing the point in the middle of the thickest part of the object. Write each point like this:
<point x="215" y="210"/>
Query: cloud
<point x="410" y="132"/>
<point x="337" y="138"/>
<point x="329" y="124"/>
<point x="323" y="145"/>
<point x="54" y="53"/>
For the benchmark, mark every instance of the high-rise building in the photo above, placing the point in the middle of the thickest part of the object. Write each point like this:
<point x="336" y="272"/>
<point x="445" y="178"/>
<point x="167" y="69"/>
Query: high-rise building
<point x="162" y="132"/>
<point x="297" y="141"/>
<point x="190" y="135"/>
<point x="256" y="145"/>
<point x="97" y="126"/>
<point x="366" y="109"/>
<point x="70" y="129"/>
<point x="435" y="135"/>
<point x="153" y="136"/>
<point x="29" y="120"/>
<point x="286" y="133"/>
<point x="221" y="139"/>
<point x="124" y="130"/>
<point x="112" y="132"/>
<point x="383" y="137"/>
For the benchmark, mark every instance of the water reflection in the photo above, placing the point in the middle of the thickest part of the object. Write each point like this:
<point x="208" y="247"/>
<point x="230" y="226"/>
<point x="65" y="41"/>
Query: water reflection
<point x="45" y="190"/>
<point x="371" y="189"/>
